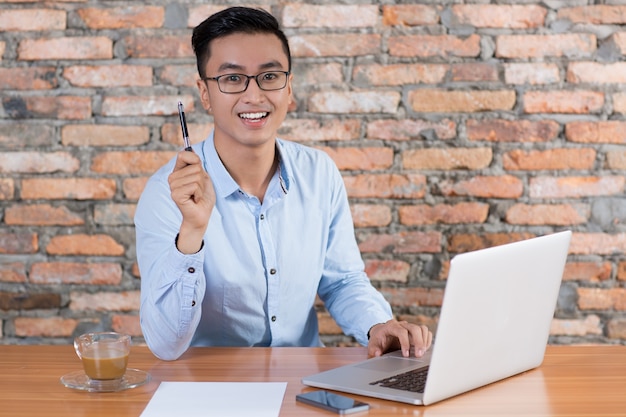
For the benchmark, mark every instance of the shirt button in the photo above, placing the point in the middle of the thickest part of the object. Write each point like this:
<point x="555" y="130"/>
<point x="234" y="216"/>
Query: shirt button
<point x="272" y="271"/>
<point x="273" y="318"/>
<point x="262" y="216"/>
<point x="191" y="270"/>
<point x="193" y="303"/>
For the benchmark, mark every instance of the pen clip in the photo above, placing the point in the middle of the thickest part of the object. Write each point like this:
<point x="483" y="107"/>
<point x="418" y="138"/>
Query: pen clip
<point x="183" y="126"/>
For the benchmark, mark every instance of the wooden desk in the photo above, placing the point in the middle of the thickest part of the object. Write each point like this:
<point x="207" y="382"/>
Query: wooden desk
<point x="573" y="381"/>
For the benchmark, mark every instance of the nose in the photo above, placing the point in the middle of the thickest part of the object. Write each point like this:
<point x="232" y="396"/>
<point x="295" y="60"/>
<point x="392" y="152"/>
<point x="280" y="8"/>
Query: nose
<point x="253" y="93"/>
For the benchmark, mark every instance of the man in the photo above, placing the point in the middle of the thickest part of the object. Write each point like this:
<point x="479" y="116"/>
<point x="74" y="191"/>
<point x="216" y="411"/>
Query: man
<point x="236" y="239"/>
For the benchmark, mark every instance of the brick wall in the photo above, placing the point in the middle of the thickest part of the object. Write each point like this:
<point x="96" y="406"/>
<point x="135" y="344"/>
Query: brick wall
<point x="456" y="126"/>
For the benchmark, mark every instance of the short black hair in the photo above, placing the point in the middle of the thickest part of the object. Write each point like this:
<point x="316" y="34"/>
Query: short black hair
<point x="229" y="21"/>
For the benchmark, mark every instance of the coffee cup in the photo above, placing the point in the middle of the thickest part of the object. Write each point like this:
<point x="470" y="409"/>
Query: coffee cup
<point x="104" y="354"/>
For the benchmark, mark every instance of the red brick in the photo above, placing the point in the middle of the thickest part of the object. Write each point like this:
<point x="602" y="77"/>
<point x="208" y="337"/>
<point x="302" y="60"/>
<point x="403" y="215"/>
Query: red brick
<point x="575" y="187"/>
<point x="7" y="188"/>
<point x="327" y="74"/>
<point x="533" y="73"/>
<point x="38" y="162"/>
<point x="414" y="296"/>
<point x="386" y="186"/>
<point x="499" y="130"/>
<point x="447" y="158"/>
<point x="578" y="102"/>
<point x="114" y="214"/>
<point x="82" y="244"/>
<point x="105" y="301"/>
<point x="320" y="130"/>
<point x="616" y="329"/>
<point x="602" y="299"/>
<point x="29" y="301"/>
<point x="78" y="47"/>
<point x="75" y="273"/>
<point x="40" y="78"/>
<point x="588" y="271"/>
<point x="574" y="45"/>
<point x="370" y="215"/>
<point x="350" y="102"/>
<point x="68" y="188"/>
<point x="551" y="159"/>
<point x="597" y="244"/>
<point x="145" y="105"/>
<point x="446" y="101"/>
<point x="399" y="74"/>
<point x="198" y="13"/>
<point x="21" y="135"/>
<point x="327" y="324"/>
<point x="401" y="242"/>
<point x="423" y="46"/>
<point x="131" y="162"/>
<point x="407" y="129"/>
<point x="104" y="135"/>
<point x="58" y="107"/>
<point x="608" y="131"/>
<point x="594" y="14"/>
<point x="616" y="159"/>
<point x="167" y="47"/>
<point x="590" y="325"/>
<point x="621" y="271"/>
<point x="347" y="44"/>
<point x="619" y="39"/>
<point x="133" y="187"/>
<point x="41" y="215"/>
<point x="179" y="75"/>
<point x="619" y="103"/>
<point x="421" y="214"/>
<point x="369" y="159"/>
<point x="504" y="186"/>
<point x="171" y="133"/>
<point x="474" y="72"/>
<point x="593" y="72"/>
<point x="499" y="16"/>
<point x="109" y="75"/>
<point x="44" y="327"/>
<point x="14" y="272"/>
<point x="132" y="17"/>
<point x="410" y="15"/>
<point x="387" y="270"/>
<point x="299" y="15"/>
<point x="32" y="20"/>
<point x="18" y="243"/>
<point x="459" y="243"/>
<point x="126" y="324"/>
<point x="548" y="214"/>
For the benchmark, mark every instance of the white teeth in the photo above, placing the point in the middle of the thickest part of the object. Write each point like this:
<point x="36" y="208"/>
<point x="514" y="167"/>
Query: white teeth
<point x="253" y="115"/>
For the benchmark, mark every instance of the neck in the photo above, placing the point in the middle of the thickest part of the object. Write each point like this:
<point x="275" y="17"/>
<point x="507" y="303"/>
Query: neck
<point x="251" y="167"/>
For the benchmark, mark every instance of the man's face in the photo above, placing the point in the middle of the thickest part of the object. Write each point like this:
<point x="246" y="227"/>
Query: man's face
<point x="252" y="117"/>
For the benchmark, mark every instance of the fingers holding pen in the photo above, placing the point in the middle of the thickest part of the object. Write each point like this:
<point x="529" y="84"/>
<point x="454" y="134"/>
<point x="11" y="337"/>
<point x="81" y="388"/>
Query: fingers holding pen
<point x="191" y="187"/>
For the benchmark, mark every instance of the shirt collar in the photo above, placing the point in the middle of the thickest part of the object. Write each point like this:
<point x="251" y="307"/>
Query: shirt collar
<point x="223" y="183"/>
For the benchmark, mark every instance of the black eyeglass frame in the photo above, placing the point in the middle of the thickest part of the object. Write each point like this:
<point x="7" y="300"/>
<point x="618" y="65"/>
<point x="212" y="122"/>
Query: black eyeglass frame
<point x="248" y="78"/>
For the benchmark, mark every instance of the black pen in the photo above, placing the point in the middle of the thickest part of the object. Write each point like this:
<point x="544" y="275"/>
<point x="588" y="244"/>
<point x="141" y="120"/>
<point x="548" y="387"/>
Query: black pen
<point x="183" y="125"/>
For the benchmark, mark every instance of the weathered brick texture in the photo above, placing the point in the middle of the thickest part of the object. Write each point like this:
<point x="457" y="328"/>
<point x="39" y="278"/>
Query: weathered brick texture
<point x="457" y="125"/>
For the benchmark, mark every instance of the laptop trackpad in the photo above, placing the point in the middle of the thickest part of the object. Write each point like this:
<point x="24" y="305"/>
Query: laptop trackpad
<point x="389" y="364"/>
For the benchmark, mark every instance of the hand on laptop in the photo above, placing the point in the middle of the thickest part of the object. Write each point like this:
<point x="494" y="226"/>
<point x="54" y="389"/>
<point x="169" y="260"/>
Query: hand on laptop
<point x="393" y="335"/>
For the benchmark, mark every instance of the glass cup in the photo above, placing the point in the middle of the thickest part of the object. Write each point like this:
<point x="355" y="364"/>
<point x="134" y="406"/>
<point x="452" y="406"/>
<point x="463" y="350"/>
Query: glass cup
<point x="104" y="354"/>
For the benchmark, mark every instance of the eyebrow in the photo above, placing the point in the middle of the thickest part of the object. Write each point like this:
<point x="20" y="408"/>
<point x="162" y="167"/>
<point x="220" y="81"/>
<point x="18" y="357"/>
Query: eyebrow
<point x="231" y="66"/>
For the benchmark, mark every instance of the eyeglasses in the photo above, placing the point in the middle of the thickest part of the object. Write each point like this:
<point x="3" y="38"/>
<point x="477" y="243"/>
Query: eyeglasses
<point x="238" y="83"/>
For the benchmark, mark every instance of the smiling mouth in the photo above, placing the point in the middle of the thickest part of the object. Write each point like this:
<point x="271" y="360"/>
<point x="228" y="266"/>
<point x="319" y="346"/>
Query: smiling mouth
<point x="253" y="116"/>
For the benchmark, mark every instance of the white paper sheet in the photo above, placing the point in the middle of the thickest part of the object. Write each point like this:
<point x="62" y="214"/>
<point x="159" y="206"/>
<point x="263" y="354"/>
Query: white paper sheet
<point x="224" y="399"/>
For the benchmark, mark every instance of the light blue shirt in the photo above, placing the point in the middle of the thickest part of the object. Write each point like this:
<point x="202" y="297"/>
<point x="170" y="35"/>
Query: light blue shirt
<point x="255" y="280"/>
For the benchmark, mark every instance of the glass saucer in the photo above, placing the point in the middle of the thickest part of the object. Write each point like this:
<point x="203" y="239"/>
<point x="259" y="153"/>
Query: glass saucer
<point x="131" y="379"/>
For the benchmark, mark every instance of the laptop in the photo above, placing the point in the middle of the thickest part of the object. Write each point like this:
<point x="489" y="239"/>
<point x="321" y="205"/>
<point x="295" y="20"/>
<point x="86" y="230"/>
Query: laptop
<point x="494" y="322"/>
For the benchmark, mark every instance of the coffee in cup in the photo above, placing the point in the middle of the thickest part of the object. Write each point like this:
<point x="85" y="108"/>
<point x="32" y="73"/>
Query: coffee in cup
<point x="104" y="354"/>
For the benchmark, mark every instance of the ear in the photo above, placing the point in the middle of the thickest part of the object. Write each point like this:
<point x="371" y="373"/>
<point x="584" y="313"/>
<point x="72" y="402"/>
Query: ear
<point x="289" y="89"/>
<point x="205" y="96"/>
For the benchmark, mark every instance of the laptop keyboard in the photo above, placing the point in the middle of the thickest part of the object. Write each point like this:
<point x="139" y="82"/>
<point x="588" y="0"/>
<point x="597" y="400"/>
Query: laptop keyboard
<point x="413" y="381"/>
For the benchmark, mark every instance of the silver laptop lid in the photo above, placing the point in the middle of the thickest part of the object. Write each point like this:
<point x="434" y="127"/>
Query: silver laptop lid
<point x="496" y="314"/>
